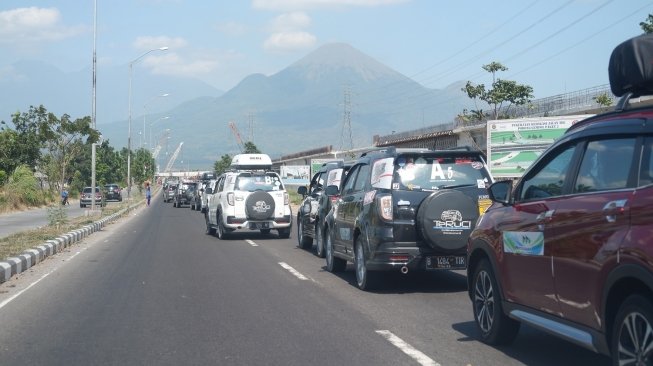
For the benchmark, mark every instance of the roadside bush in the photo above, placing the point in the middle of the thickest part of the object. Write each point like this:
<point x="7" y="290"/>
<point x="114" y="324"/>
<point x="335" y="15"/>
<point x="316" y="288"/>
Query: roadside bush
<point x="3" y="177"/>
<point x="22" y="189"/>
<point x="57" y="216"/>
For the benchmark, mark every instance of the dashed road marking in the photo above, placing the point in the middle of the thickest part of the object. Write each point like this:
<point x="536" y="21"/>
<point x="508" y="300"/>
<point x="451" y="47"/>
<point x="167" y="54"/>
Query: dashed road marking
<point x="293" y="271"/>
<point x="406" y="348"/>
<point x="251" y="242"/>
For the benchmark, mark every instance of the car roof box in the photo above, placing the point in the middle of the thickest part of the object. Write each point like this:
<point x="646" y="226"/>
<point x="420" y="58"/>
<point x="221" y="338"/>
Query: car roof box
<point x="631" y="67"/>
<point x="251" y="162"/>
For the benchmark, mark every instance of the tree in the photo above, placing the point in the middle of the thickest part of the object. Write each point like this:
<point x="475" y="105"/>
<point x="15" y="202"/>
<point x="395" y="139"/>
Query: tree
<point x="502" y="91"/>
<point x="647" y="25"/>
<point x="222" y="165"/>
<point x="604" y="101"/>
<point x="250" y="148"/>
<point x="66" y="140"/>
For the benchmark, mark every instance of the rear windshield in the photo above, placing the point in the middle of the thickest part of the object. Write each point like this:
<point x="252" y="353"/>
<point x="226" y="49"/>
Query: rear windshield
<point x="254" y="182"/>
<point x="426" y="173"/>
<point x="89" y="189"/>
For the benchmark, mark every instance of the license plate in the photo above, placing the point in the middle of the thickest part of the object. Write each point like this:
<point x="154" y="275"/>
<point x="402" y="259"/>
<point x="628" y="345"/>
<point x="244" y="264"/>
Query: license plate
<point x="259" y="225"/>
<point x="446" y="262"/>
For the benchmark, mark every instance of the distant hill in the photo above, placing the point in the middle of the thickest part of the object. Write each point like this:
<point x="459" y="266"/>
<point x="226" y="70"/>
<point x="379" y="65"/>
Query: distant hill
<point x="303" y="106"/>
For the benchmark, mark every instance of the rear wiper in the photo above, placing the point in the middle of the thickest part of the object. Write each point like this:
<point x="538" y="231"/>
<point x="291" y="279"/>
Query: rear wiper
<point x="457" y="186"/>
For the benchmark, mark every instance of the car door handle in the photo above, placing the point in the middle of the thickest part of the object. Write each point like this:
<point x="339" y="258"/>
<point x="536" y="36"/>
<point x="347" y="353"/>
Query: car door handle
<point x="544" y="218"/>
<point x="613" y="208"/>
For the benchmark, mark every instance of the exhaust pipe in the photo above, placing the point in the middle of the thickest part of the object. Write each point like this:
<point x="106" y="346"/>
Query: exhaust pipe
<point x="404" y="270"/>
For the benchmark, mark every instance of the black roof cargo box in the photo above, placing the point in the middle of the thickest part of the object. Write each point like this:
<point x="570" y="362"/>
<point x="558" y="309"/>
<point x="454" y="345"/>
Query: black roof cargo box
<point x="631" y="67"/>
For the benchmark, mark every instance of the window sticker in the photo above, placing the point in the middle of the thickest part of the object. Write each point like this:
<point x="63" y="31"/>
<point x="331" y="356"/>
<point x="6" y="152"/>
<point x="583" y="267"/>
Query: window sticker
<point x="523" y="242"/>
<point x="480" y="183"/>
<point x="483" y="204"/>
<point x="382" y="173"/>
<point x="395" y="186"/>
<point x="477" y="165"/>
<point x="369" y="197"/>
<point x="437" y="173"/>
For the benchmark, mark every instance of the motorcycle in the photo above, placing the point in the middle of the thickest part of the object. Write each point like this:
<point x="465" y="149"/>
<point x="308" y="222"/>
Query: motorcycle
<point x="64" y="201"/>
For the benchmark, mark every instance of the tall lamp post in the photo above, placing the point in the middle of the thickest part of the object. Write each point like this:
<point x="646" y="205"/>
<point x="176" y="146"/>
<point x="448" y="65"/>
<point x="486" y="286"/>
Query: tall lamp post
<point x="145" y="113"/>
<point x="93" y="107"/>
<point x="129" y="129"/>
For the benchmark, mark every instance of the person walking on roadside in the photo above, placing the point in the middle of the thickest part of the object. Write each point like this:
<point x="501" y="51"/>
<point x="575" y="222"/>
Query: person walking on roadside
<point x="148" y="193"/>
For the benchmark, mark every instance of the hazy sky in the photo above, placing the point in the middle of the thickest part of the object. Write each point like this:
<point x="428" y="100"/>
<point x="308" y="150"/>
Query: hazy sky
<point x="556" y="46"/>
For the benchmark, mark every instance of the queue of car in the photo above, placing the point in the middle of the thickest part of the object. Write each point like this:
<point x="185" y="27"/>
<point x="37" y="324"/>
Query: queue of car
<point x="565" y="248"/>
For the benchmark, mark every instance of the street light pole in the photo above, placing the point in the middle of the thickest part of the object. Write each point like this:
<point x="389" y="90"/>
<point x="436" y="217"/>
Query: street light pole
<point x="145" y="113"/>
<point x="93" y="108"/>
<point x="129" y="129"/>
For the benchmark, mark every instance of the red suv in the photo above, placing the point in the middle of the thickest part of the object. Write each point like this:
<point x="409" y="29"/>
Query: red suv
<point x="568" y="248"/>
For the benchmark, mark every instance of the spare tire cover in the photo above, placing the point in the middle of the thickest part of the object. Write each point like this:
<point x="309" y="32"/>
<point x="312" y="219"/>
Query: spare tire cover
<point x="259" y="205"/>
<point x="446" y="218"/>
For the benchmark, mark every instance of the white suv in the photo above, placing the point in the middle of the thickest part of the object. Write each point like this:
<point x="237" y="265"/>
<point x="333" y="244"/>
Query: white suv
<point x="249" y="196"/>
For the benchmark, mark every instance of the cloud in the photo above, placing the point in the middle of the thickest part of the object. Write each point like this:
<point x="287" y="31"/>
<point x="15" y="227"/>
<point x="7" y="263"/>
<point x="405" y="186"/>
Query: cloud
<point x="289" y="41"/>
<point x="145" y="43"/>
<point x="285" y="5"/>
<point x="34" y="25"/>
<point x="173" y="64"/>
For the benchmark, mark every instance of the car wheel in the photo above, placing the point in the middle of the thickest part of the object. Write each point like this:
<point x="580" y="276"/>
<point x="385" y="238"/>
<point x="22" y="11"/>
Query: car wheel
<point x="284" y="233"/>
<point x="210" y="230"/>
<point x="632" y="343"/>
<point x="304" y="241"/>
<point x="81" y="206"/>
<point x="222" y="233"/>
<point x="319" y="242"/>
<point x="496" y="328"/>
<point x="365" y="280"/>
<point x="333" y="263"/>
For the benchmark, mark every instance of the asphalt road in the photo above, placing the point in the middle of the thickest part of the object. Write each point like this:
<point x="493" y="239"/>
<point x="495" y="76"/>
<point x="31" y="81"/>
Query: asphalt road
<point x="14" y="222"/>
<point x="154" y="289"/>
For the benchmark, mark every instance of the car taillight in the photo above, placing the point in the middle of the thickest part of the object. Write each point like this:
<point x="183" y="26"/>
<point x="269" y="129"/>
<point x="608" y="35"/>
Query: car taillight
<point x="230" y="198"/>
<point x="286" y="199"/>
<point x="385" y="207"/>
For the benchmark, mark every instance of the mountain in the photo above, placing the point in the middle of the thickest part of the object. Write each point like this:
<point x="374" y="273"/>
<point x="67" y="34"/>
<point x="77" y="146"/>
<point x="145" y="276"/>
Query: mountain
<point x="304" y="106"/>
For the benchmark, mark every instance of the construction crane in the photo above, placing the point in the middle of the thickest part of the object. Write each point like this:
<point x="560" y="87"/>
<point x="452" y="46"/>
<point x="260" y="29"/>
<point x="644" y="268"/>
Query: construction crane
<point x="239" y="141"/>
<point x="173" y="158"/>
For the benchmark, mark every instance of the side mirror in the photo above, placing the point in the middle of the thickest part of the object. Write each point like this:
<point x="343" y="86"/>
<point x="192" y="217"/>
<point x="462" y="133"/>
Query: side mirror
<point x="501" y="191"/>
<point x="302" y="190"/>
<point x="332" y="190"/>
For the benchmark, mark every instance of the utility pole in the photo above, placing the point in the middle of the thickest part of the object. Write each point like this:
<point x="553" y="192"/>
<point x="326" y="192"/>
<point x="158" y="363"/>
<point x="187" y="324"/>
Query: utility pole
<point x="346" y="140"/>
<point x="250" y="124"/>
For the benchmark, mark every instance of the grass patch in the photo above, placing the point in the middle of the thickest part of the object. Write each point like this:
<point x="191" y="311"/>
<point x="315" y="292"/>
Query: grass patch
<point x="17" y="243"/>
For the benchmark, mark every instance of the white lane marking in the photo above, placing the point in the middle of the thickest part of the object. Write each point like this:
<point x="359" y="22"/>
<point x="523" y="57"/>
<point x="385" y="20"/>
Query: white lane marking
<point x="250" y="242"/>
<point x="293" y="271"/>
<point x="4" y="303"/>
<point x="406" y="348"/>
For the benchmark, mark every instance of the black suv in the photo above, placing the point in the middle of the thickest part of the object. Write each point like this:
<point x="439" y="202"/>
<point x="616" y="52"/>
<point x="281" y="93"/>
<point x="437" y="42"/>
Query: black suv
<point x="112" y="192"/>
<point x="184" y="194"/>
<point x="316" y="205"/>
<point x="406" y="209"/>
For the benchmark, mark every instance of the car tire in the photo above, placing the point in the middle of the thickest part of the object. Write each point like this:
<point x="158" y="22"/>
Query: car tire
<point x="210" y="230"/>
<point x="81" y="206"/>
<point x="284" y="233"/>
<point x="319" y="242"/>
<point x="365" y="279"/>
<point x="496" y="327"/>
<point x="631" y="332"/>
<point x="304" y="241"/>
<point x="222" y="233"/>
<point x="333" y="263"/>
